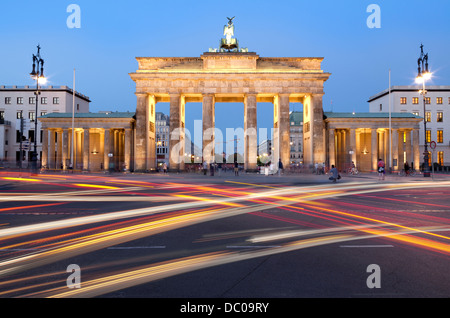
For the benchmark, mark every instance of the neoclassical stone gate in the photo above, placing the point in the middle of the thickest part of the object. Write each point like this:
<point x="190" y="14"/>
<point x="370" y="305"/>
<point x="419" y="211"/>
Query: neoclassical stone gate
<point x="229" y="77"/>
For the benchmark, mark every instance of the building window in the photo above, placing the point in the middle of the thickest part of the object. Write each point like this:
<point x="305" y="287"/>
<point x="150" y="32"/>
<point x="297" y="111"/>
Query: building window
<point x="438" y="100"/>
<point x="43" y="100"/>
<point x="31" y="136"/>
<point x="31" y="100"/>
<point x="55" y="100"/>
<point x="428" y="116"/>
<point x="416" y="113"/>
<point x="2" y="115"/>
<point x="415" y="100"/>
<point x="440" y="158"/>
<point x="428" y="100"/>
<point x="78" y="106"/>
<point x="381" y="107"/>
<point x="440" y="117"/>
<point x="18" y="136"/>
<point x="440" y="136"/>
<point x="449" y="100"/>
<point x="428" y="136"/>
<point x="19" y="100"/>
<point x="8" y="100"/>
<point x="403" y="100"/>
<point x="43" y="113"/>
<point x="31" y="116"/>
<point x="19" y="115"/>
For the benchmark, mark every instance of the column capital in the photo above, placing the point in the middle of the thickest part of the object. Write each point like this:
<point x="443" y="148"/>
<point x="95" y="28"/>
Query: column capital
<point x="208" y="95"/>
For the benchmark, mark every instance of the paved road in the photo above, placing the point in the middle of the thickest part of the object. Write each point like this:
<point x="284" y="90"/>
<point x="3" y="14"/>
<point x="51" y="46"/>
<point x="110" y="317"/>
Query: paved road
<point x="224" y="237"/>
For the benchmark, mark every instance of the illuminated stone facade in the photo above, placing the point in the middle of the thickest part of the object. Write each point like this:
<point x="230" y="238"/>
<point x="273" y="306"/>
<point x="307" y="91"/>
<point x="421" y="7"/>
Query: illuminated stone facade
<point x="243" y="77"/>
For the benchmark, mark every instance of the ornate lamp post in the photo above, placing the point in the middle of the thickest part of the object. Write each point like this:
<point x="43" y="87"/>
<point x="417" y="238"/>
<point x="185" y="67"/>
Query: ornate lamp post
<point x="424" y="75"/>
<point x="38" y="74"/>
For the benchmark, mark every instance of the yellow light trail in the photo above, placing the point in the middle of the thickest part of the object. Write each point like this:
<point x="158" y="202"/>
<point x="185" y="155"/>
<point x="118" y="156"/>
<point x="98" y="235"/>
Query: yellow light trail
<point x="95" y="186"/>
<point x="21" y="179"/>
<point x="380" y="221"/>
<point x="253" y="184"/>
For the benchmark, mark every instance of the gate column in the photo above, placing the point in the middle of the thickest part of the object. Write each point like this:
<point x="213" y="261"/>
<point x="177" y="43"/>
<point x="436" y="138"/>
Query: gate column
<point x="176" y="141"/>
<point x="208" y="111"/>
<point x="250" y="134"/>
<point x="141" y="146"/>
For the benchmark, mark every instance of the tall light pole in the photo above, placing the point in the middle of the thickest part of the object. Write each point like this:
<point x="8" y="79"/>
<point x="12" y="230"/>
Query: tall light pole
<point x="424" y="75"/>
<point x="38" y="74"/>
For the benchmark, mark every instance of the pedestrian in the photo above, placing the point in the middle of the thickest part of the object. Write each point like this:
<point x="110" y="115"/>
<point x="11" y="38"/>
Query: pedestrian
<point x="280" y="167"/>
<point x="236" y="168"/>
<point x="381" y="169"/>
<point x="334" y="173"/>
<point x="165" y="167"/>
<point x="316" y="168"/>
<point x="205" y="167"/>
<point x="211" y="169"/>
<point x="406" y="167"/>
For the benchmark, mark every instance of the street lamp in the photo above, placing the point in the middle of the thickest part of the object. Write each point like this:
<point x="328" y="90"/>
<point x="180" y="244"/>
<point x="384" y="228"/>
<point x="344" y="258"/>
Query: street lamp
<point x="38" y="74"/>
<point x="424" y="75"/>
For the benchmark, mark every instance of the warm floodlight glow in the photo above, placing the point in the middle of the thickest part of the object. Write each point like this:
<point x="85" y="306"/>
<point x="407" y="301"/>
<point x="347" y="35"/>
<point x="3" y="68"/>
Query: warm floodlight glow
<point x="419" y="79"/>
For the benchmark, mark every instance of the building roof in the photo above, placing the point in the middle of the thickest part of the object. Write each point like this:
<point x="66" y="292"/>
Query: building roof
<point x="91" y="115"/>
<point x="28" y="88"/>
<point x="410" y="88"/>
<point x="297" y="117"/>
<point x="369" y="115"/>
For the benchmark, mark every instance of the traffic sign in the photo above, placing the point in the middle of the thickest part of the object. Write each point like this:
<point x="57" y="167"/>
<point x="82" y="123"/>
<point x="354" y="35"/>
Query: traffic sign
<point x="433" y="145"/>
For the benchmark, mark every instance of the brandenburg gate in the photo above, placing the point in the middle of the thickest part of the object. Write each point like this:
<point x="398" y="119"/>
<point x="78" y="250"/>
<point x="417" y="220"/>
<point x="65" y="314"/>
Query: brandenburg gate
<point x="229" y="74"/>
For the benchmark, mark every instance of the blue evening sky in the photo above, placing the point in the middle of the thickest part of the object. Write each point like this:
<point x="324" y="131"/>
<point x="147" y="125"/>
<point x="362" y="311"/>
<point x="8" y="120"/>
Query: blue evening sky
<point x="113" y="33"/>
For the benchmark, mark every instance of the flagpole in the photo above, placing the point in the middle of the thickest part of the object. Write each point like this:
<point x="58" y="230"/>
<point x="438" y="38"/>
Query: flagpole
<point x="73" y="123"/>
<point x="390" y="124"/>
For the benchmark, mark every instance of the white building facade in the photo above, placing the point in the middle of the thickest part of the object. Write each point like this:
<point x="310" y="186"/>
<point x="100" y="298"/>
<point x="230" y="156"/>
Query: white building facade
<point x="18" y="102"/>
<point x="406" y="99"/>
<point x="296" y="135"/>
<point x="162" y="122"/>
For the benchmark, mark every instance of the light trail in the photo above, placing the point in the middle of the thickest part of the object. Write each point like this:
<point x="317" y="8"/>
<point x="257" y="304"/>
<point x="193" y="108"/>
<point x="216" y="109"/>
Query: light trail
<point x="146" y="274"/>
<point x="110" y="283"/>
<point x="22" y="179"/>
<point x="95" y="186"/>
<point x="215" y="208"/>
<point x="29" y="207"/>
